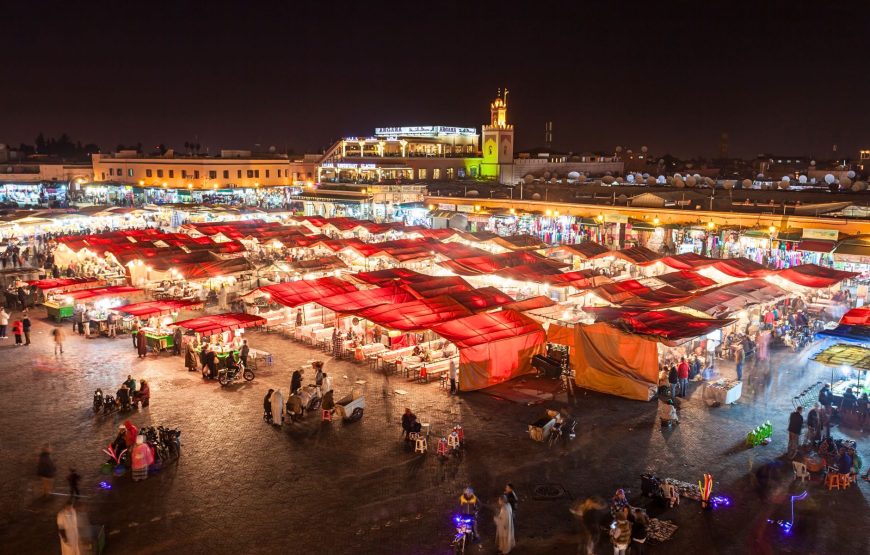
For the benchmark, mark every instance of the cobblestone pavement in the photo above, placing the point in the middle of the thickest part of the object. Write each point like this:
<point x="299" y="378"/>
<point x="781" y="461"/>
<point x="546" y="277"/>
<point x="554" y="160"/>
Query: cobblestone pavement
<point x="242" y="486"/>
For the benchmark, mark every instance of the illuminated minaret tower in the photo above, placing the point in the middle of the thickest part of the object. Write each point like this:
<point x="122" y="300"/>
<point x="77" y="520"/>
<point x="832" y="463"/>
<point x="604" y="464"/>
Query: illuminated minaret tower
<point x="498" y="142"/>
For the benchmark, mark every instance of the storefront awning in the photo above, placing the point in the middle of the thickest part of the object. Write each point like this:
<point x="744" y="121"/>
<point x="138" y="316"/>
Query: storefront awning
<point x="586" y="250"/>
<point x="64" y="284"/>
<point x="383" y="277"/>
<point x="666" y="326"/>
<point x="219" y="323"/>
<point x="487" y="328"/>
<point x="99" y="292"/>
<point x="688" y="261"/>
<point x="816" y="245"/>
<point x="639" y="256"/>
<point x="842" y="355"/>
<point x="741" y="268"/>
<point x="481" y="265"/>
<point x="686" y="280"/>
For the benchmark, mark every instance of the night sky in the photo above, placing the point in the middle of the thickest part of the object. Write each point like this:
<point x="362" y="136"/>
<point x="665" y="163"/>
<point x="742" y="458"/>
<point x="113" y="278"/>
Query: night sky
<point x="776" y="76"/>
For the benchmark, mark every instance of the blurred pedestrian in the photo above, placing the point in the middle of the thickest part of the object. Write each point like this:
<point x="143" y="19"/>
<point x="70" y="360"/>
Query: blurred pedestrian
<point x="68" y="530"/>
<point x="512" y="498"/>
<point x="18" y="331"/>
<point x="25" y="320"/>
<point x="46" y="470"/>
<point x="683" y="375"/>
<point x="504" y="526"/>
<point x="4" y="322"/>
<point x="795" y="426"/>
<point x="73" y="480"/>
<point x="639" y="530"/>
<point x="57" y="333"/>
<point x="452" y="371"/>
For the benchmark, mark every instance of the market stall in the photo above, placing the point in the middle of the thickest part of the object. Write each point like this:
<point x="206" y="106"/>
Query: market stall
<point x="221" y="333"/>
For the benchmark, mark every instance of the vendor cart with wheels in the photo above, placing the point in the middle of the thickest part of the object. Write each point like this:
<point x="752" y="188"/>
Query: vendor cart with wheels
<point x="351" y="407"/>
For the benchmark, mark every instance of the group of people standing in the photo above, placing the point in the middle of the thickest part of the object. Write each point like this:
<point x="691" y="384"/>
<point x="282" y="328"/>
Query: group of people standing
<point x="20" y="327"/>
<point x="504" y="517"/>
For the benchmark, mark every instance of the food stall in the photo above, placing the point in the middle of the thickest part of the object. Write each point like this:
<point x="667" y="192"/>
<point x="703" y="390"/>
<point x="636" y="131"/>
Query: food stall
<point x="93" y="303"/>
<point x="159" y="314"/>
<point x="221" y="332"/>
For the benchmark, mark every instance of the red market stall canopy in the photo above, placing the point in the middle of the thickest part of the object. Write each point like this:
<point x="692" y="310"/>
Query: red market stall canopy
<point x="579" y="279"/>
<point x="494" y="346"/>
<point x="322" y="264"/>
<point x="295" y="293"/>
<point x="666" y="326"/>
<point x="65" y="284"/>
<point x="639" y="256"/>
<point x="816" y="245"/>
<point x="620" y="291"/>
<point x="439" y="234"/>
<point x="416" y="315"/>
<point x="92" y="294"/>
<point x="219" y="323"/>
<point x="532" y="303"/>
<point x="356" y="301"/>
<point x="519" y="242"/>
<point x="434" y="286"/>
<point x="741" y="268"/>
<point x="485" y="298"/>
<point x="457" y="250"/>
<point x="213" y="269"/>
<point x="383" y="277"/>
<point x="537" y="272"/>
<point x="688" y="261"/>
<point x="158" y="308"/>
<point x="857" y="317"/>
<point x="735" y="296"/>
<point x="302" y="241"/>
<point x="656" y="298"/>
<point x="585" y="250"/>
<point x="480" y="265"/>
<point x="815" y="276"/>
<point x="686" y="280"/>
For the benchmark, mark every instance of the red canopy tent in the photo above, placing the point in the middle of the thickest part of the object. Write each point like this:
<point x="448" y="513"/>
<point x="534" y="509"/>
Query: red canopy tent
<point x="480" y="265"/>
<point x="532" y="303"/>
<point x="295" y="293"/>
<point x="815" y="276"/>
<point x="688" y="261"/>
<point x="665" y="326"/>
<point x="519" y="242"/>
<point x="434" y="286"/>
<point x="620" y="291"/>
<point x="579" y="279"/>
<point x="219" y="323"/>
<point x="586" y="250"/>
<point x="856" y="317"/>
<point x="686" y="280"/>
<point x="639" y="256"/>
<point x="383" y="277"/>
<point x="416" y="315"/>
<point x="493" y="346"/>
<point x="65" y="284"/>
<point x="457" y="250"/>
<point x="485" y="298"/>
<point x="213" y="268"/>
<point x="741" y="268"/>
<point x="734" y="296"/>
<point x="151" y="308"/>
<point x="355" y="301"/>
<point x="655" y="298"/>
<point x="538" y="272"/>
<point x="91" y="294"/>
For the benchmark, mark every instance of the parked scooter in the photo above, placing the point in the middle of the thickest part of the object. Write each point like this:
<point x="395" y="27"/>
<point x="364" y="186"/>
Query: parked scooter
<point x="226" y="376"/>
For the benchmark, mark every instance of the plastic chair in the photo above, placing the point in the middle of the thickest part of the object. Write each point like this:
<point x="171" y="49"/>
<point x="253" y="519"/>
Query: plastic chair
<point x="832" y="480"/>
<point x="845" y="480"/>
<point x="453" y="440"/>
<point x="326" y="416"/>
<point x="800" y="471"/>
<point x="442" y="447"/>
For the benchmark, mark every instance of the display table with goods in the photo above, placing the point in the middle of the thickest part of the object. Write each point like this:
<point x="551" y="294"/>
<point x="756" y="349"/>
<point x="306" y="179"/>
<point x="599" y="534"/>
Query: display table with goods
<point x="58" y="309"/>
<point x="722" y="392"/>
<point x="158" y="339"/>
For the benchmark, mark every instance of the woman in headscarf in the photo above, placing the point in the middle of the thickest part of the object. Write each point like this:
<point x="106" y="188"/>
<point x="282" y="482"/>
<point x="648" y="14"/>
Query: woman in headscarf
<point x="142" y="344"/>
<point x="277" y="408"/>
<point x="504" y="526"/>
<point x="132" y="432"/>
<point x="141" y="457"/>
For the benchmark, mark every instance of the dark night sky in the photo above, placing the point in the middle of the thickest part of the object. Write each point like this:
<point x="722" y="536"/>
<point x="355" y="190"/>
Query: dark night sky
<point x="788" y="77"/>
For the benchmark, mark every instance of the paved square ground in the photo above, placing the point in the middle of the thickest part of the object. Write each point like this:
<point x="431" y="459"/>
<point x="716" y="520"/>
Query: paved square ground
<point x="242" y="486"/>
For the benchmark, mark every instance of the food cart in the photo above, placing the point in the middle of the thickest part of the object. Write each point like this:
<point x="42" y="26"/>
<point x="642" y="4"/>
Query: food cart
<point x="160" y="314"/>
<point x="221" y="332"/>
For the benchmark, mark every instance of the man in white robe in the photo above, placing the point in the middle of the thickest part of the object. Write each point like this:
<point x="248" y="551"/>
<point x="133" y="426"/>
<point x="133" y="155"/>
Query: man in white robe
<point x="68" y="529"/>
<point x="277" y="408"/>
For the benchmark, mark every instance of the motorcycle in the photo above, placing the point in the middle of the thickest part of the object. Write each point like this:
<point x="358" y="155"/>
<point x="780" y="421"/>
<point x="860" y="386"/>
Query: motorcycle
<point x="464" y="533"/>
<point x="226" y="376"/>
<point x="98" y="401"/>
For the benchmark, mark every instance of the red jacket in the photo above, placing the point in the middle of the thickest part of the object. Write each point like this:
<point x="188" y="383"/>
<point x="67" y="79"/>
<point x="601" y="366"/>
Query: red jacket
<point x="18" y="327"/>
<point x="683" y="369"/>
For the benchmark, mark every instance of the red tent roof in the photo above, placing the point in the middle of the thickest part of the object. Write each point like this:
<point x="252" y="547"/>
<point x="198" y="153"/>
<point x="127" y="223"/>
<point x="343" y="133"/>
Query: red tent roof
<point x="639" y="256"/>
<point x="741" y="268"/>
<point x="589" y="249"/>
<point x="382" y="277"/>
<point x="521" y="241"/>
<point x="484" y="298"/>
<point x="487" y="327"/>
<point x="213" y="268"/>
<point x="686" y="280"/>
<point x="734" y="296"/>
<point x="619" y="291"/>
<point x="457" y="250"/>
<point x="91" y="294"/>
<point x="356" y="301"/>
<point x="209" y="325"/>
<point x="295" y="293"/>
<point x="531" y="303"/>
<point x="415" y="315"/>
<point x="66" y="284"/>
<point x="856" y="317"/>
<point x="816" y="245"/>
<point x="579" y="279"/>
<point x="813" y="275"/>
<point x="440" y="234"/>
<point x="538" y="272"/>
<point x="434" y="286"/>
<point x="479" y="265"/>
<point x="657" y="297"/>
<point x="688" y="261"/>
<point x="150" y="308"/>
<point x="664" y="325"/>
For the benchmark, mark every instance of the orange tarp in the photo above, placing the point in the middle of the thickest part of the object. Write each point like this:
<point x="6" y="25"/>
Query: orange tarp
<point x="610" y="360"/>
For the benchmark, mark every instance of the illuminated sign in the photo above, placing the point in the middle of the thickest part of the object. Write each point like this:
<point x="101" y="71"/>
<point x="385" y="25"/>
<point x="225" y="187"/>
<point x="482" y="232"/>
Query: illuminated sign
<point x="821" y="234"/>
<point x="424" y="131"/>
<point x="348" y="166"/>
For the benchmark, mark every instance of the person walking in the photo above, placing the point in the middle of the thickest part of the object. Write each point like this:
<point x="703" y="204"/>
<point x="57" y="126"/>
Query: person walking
<point x="68" y="530"/>
<point x="4" y="322"/>
<point x="683" y="375"/>
<point x="141" y="344"/>
<point x="795" y="425"/>
<point x="244" y="352"/>
<point x="57" y="333"/>
<point x="46" y="470"/>
<point x="176" y="341"/>
<point x="452" y="371"/>
<point x="318" y="373"/>
<point x="327" y="384"/>
<point x="73" y="480"/>
<point x="296" y="380"/>
<point x="277" y="401"/>
<point x="740" y="359"/>
<point x="512" y="498"/>
<point x="504" y="526"/>
<point x="813" y="422"/>
<point x="25" y="320"/>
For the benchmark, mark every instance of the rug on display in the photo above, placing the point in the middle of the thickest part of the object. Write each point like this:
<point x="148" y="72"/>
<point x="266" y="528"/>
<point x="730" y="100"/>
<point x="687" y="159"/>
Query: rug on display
<point x="660" y="530"/>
